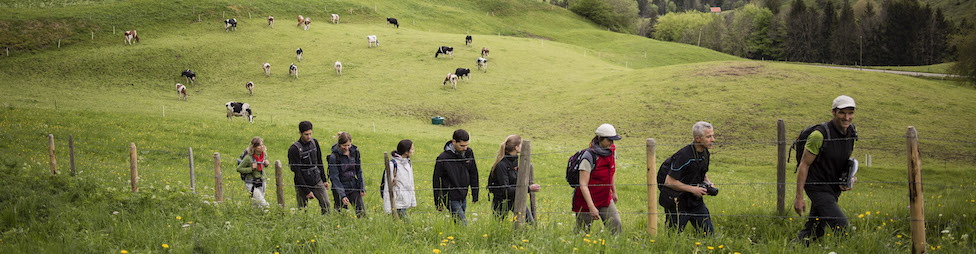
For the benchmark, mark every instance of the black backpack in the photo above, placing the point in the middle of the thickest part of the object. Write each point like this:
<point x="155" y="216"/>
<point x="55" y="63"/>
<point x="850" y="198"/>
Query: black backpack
<point x="239" y="160"/>
<point x="572" y="166"/>
<point x="801" y="141"/>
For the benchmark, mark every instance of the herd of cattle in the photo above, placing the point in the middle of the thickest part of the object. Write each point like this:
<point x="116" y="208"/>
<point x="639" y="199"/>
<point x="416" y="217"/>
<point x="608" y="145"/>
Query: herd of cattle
<point x="244" y="110"/>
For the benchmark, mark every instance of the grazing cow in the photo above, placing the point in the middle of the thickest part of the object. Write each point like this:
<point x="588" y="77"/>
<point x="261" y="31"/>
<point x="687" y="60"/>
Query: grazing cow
<point x="392" y="21"/>
<point x="308" y="21"/>
<point x="299" y="53"/>
<point x="451" y="78"/>
<point x="484" y="53"/>
<point x="250" y="87"/>
<point x="181" y="91"/>
<point x="293" y="70"/>
<point x="338" y="67"/>
<point x="301" y="20"/>
<point x="463" y="73"/>
<point x="270" y="21"/>
<point x="335" y="18"/>
<point x="467" y="40"/>
<point x="267" y="69"/>
<point x="239" y="109"/>
<point x="128" y="36"/>
<point x="189" y="75"/>
<point x="482" y="62"/>
<point x="445" y="50"/>
<point x="372" y="40"/>
<point x="230" y="24"/>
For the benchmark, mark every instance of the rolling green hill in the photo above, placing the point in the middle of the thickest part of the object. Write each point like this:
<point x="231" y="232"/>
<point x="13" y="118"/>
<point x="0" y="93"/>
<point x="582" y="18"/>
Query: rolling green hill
<point x="553" y="77"/>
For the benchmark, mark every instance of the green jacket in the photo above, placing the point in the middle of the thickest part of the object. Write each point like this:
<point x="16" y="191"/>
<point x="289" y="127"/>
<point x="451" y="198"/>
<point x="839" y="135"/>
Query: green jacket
<point x="250" y="173"/>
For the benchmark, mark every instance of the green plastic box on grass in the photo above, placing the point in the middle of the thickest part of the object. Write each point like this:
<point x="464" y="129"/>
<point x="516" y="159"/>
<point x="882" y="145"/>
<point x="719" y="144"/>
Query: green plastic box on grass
<point x="437" y="120"/>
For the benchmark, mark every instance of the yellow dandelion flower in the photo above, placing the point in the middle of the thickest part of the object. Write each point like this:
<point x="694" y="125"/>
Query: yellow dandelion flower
<point x="652" y="241"/>
<point x="450" y="238"/>
<point x="868" y="212"/>
<point x="721" y="246"/>
<point x="452" y="242"/>
<point x="514" y="247"/>
<point x="179" y="218"/>
<point x="711" y="248"/>
<point x="586" y="240"/>
<point x="277" y="252"/>
<point x="736" y="253"/>
<point x="437" y="251"/>
<point x="123" y="252"/>
<point x="165" y="246"/>
<point x="486" y="235"/>
<point x="697" y="243"/>
<point x="860" y="216"/>
<point x="444" y="241"/>
<point x="313" y="240"/>
<point x="525" y="241"/>
<point x="443" y="244"/>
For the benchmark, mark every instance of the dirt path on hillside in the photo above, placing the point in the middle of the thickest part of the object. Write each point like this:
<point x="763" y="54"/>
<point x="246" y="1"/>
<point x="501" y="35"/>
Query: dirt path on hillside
<point x="909" y="73"/>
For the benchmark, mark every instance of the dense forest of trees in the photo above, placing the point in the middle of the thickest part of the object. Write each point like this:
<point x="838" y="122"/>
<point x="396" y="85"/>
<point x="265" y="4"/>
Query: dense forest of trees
<point x="894" y="32"/>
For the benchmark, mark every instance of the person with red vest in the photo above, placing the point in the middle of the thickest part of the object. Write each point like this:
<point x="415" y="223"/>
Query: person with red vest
<point x="596" y="195"/>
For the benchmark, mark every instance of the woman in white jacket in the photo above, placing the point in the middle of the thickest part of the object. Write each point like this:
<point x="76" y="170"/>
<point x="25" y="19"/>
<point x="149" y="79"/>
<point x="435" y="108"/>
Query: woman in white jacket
<point x="403" y="190"/>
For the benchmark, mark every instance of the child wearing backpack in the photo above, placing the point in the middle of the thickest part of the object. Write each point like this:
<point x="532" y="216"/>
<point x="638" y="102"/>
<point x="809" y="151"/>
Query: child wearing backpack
<point x="596" y="195"/>
<point x="346" y="174"/>
<point x="252" y="168"/>
<point x="404" y="197"/>
<point x="502" y="179"/>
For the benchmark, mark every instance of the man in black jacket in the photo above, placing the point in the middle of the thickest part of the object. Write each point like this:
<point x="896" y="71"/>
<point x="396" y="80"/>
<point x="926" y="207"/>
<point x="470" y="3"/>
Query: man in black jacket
<point x="454" y="171"/>
<point x="684" y="176"/>
<point x="305" y="160"/>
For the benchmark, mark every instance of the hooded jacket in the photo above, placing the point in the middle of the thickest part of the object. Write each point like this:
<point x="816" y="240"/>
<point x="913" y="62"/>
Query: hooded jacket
<point x="502" y="179"/>
<point x="601" y="179"/>
<point x="454" y="172"/>
<point x="403" y="187"/>
<point x="251" y="175"/>
<point x="345" y="172"/>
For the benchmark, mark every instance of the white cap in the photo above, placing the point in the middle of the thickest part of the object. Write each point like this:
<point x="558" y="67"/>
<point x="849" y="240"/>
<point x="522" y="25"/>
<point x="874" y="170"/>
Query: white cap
<point x="607" y="131"/>
<point x="843" y="101"/>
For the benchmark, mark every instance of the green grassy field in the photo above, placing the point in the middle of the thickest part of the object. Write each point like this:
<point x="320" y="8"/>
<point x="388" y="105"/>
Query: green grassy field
<point x="553" y="92"/>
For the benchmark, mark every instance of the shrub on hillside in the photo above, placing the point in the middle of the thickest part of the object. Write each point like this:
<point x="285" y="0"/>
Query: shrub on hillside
<point x="965" y="56"/>
<point x="618" y="15"/>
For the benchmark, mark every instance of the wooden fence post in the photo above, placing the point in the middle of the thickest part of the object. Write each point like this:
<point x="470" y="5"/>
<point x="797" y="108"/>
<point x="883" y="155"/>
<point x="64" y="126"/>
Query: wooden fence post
<point x="193" y="175"/>
<point x="218" y="179"/>
<point x="133" y="167"/>
<point x="651" y="188"/>
<point x="532" y="206"/>
<point x="916" y="199"/>
<point x="54" y="161"/>
<point x="522" y="182"/>
<point x="781" y="151"/>
<point x="279" y="186"/>
<point x="388" y="174"/>
<point x="71" y="153"/>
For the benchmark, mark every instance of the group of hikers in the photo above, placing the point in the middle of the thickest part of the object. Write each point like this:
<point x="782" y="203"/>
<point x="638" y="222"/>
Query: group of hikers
<point x="822" y="173"/>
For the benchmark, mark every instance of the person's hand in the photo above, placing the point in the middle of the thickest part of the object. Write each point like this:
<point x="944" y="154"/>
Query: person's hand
<point x="440" y="208"/>
<point x="309" y="196"/>
<point x="534" y="187"/>
<point x="345" y="201"/>
<point x="266" y="163"/>
<point x="362" y="193"/>
<point x="799" y="206"/>
<point x="595" y="214"/>
<point x="474" y="202"/>
<point x="326" y="184"/>
<point x="699" y="191"/>
<point x="614" y="197"/>
<point x="254" y="166"/>
<point x="843" y="187"/>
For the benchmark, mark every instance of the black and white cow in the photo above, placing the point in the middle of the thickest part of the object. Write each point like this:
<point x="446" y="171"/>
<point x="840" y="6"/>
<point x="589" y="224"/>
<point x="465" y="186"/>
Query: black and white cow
<point x="239" y="109"/>
<point x="335" y="18"/>
<point x="250" y="87"/>
<point x="181" y="91"/>
<point x="338" y="67"/>
<point x="467" y="40"/>
<point x="267" y="69"/>
<point x="299" y="53"/>
<point x="463" y="73"/>
<point x="189" y="75"/>
<point x="451" y="78"/>
<point x="482" y="63"/>
<point x="445" y="50"/>
<point x="392" y="21"/>
<point x="230" y="24"/>
<point x="271" y="21"/>
<point x="293" y="70"/>
<point x="371" y="39"/>
<point x="485" y="52"/>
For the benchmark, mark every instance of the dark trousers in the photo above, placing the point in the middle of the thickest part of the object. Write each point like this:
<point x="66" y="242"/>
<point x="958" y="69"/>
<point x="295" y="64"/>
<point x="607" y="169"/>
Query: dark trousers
<point x="318" y="191"/>
<point x="502" y="207"/>
<point x="355" y="198"/>
<point x="824" y="212"/>
<point x="457" y="208"/>
<point x="698" y="216"/>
